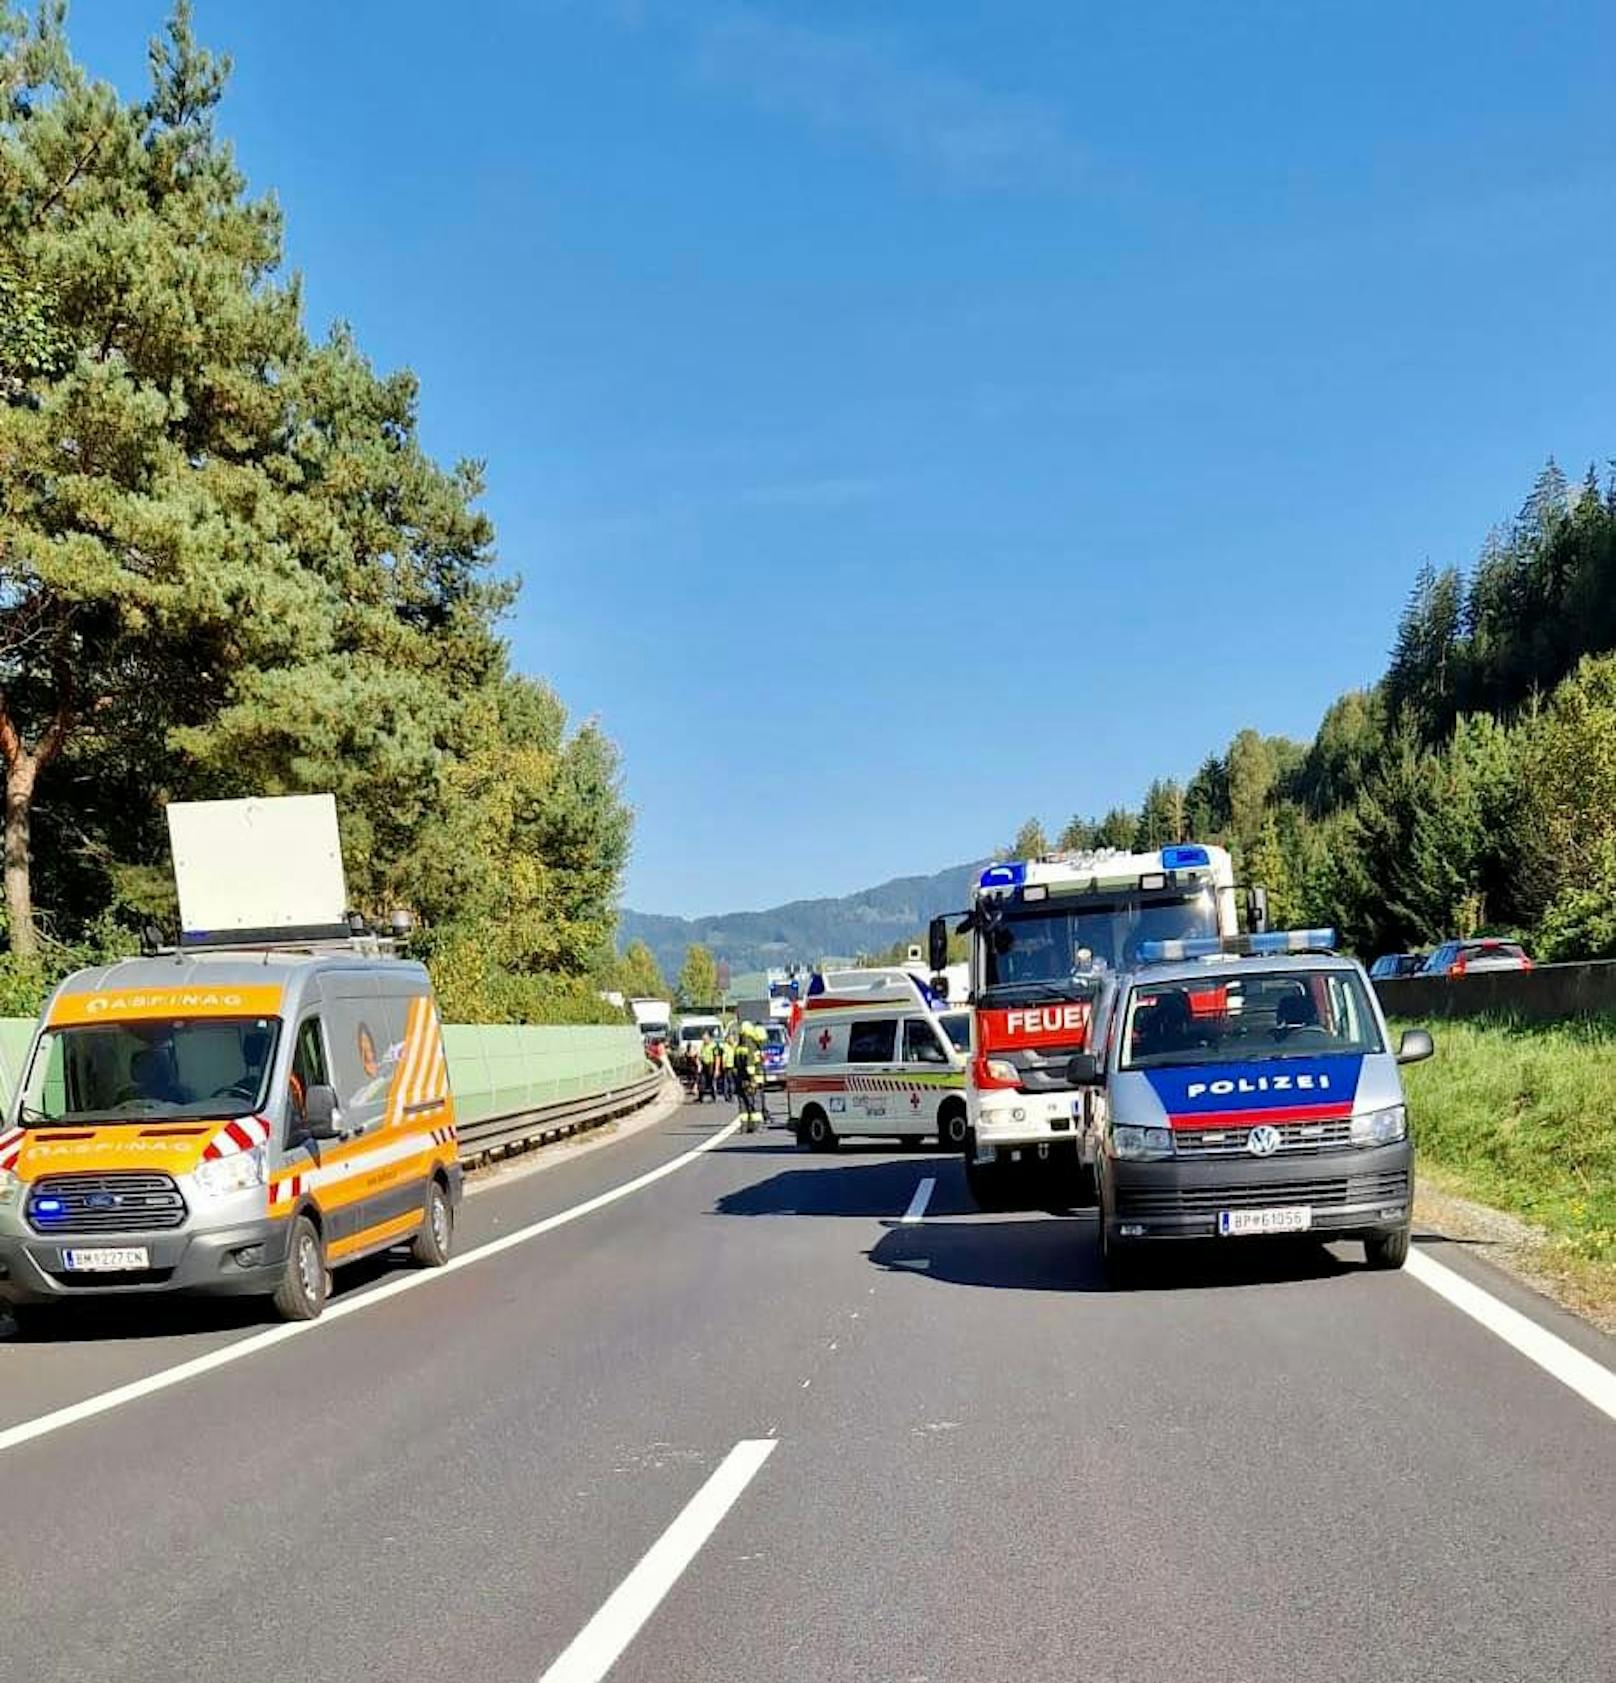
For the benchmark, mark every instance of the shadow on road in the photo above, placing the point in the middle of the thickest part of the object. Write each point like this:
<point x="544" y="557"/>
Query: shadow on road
<point x="830" y="1186"/>
<point x="1054" y="1253"/>
<point x="136" y="1319"/>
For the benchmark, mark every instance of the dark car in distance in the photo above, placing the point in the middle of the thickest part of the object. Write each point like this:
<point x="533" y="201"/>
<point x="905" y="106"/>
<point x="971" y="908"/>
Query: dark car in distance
<point x="1395" y="964"/>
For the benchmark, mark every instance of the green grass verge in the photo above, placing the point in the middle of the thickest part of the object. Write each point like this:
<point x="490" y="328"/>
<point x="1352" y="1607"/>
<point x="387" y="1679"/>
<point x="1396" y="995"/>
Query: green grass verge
<point x="1523" y="1117"/>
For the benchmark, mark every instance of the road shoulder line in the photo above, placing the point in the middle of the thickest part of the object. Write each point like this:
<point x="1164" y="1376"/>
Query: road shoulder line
<point x="104" y="1402"/>
<point x="1563" y="1361"/>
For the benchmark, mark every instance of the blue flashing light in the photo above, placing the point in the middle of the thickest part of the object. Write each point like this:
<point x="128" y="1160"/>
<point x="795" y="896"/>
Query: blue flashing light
<point x="1166" y="952"/>
<point x="1184" y="858"/>
<point x="1291" y="941"/>
<point x="816" y="985"/>
<point x="1004" y="876"/>
<point x="48" y="1207"/>
<point x="1238" y="946"/>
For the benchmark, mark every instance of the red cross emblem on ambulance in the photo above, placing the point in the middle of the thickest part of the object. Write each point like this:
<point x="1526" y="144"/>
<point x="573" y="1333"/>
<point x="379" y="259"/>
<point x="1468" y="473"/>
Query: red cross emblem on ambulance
<point x="914" y="1101"/>
<point x="824" y="1040"/>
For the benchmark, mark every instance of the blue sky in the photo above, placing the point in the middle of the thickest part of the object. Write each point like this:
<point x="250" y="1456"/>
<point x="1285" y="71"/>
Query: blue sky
<point x="907" y="418"/>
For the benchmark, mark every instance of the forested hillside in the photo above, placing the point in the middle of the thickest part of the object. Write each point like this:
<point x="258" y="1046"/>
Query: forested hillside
<point x="227" y="566"/>
<point x="804" y="931"/>
<point x="1473" y="788"/>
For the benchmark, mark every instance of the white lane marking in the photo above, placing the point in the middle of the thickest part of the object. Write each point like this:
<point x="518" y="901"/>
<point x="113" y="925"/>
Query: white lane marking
<point x="70" y="1415"/>
<point x="917" y="1204"/>
<point x="598" y="1646"/>
<point x="1565" y="1362"/>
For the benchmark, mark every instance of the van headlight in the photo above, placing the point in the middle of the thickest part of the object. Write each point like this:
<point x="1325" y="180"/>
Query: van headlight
<point x="219" y="1176"/>
<point x="10" y="1187"/>
<point x="1141" y="1142"/>
<point x="1381" y="1127"/>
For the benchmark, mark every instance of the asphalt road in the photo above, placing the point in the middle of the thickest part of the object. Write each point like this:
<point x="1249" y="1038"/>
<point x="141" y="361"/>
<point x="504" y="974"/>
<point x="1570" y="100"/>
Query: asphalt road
<point x="1270" y="1465"/>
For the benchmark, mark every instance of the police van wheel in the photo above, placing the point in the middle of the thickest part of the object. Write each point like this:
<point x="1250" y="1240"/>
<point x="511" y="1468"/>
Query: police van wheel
<point x="816" y="1132"/>
<point x="951" y="1129"/>
<point x="435" y="1240"/>
<point x="304" y="1281"/>
<point x="1121" y="1260"/>
<point x="1386" y="1250"/>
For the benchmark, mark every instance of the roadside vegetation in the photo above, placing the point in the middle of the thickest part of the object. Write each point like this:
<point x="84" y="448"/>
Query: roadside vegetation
<point x="1522" y="1117"/>
<point x="1472" y="789"/>
<point x="228" y="566"/>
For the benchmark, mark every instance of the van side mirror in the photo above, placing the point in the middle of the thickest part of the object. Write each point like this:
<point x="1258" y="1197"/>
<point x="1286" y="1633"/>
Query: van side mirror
<point x="939" y="986"/>
<point x="320" y="1112"/>
<point x="1082" y="1069"/>
<point x="1415" y="1047"/>
<point x="1257" y="910"/>
<point x="937" y="943"/>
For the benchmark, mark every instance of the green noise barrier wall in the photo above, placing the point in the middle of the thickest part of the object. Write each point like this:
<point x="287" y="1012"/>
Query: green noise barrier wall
<point x="495" y="1070"/>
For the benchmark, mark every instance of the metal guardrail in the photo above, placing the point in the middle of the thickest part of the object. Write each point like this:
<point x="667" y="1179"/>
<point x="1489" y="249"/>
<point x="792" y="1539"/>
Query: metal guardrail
<point x="490" y="1138"/>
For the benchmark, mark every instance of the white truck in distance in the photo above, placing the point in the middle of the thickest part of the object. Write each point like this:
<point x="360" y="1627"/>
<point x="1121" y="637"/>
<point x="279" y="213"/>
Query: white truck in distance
<point x="1043" y="931"/>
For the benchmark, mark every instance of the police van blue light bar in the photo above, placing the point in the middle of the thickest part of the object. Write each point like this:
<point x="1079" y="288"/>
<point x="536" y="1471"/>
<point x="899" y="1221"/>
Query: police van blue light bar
<point x="1239" y="946"/>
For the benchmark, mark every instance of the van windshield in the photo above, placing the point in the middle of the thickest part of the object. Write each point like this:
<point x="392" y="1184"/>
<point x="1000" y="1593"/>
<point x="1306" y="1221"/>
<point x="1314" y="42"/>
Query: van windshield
<point x="217" y="1067"/>
<point x="957" y="1026"/>
<point x="1217" y="1019"/>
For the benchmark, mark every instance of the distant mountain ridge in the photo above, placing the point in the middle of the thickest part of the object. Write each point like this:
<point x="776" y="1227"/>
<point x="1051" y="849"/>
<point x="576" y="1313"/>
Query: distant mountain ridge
<point x="805" y="931"/>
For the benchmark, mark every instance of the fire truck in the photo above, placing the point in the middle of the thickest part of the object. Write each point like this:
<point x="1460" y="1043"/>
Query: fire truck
<point x="1044" y="934"/>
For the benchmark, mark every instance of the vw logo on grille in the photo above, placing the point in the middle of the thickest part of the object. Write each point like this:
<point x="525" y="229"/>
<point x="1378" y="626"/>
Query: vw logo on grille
<point x="1263" y="1141"/>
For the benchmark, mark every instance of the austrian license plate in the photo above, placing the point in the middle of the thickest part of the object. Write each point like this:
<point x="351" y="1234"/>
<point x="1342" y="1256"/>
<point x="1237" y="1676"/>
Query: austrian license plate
<point x="107" y="1259"/>
<point x="1290" y="1218"/>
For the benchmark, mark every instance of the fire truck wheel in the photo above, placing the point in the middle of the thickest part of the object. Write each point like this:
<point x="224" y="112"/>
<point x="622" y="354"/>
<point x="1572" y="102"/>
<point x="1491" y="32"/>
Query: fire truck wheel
<point x="304" y="1281"/>
<point x="951" y="1127"/>
<point x="816" y="1132"/>
<point x="1386" y="1250"/>
<point x="433" y="1243"/>
<point x="988" y="1183"/>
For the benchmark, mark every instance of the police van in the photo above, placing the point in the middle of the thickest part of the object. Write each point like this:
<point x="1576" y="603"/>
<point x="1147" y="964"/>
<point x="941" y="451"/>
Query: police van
<point x="1247" y="1086"/>
<point x="876" y="1054"/>
<point x="236" y="1115"/>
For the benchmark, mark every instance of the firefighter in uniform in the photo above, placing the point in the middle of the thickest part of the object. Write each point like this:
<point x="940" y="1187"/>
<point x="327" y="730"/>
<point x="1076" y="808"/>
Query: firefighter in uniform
<point x="746" y="1077"/>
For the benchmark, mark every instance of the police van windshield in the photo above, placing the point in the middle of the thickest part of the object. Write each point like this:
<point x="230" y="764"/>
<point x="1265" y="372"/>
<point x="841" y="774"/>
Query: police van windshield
<point x="1056" y="946"/>
<point x="1237" y="1019"/>
<point x="217" y="1067"/>
<point x="957" y="1026"/>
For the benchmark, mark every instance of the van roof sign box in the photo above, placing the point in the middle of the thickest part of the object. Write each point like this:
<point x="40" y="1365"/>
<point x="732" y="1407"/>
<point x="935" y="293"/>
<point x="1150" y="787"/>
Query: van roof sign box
<point x="258" y="870"/>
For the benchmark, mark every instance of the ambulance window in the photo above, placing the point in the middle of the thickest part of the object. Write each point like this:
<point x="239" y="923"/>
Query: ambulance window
<point x="872" y="1042"/>
<point x="920" y="1044"/>
<point x="308" y="1062"/>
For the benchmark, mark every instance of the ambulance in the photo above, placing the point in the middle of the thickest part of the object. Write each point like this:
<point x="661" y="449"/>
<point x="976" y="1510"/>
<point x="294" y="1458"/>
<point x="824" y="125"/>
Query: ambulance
<point x="876" y="1054"/>
<point x="241" y="1113"/>
<point x="1044" y="933"/>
